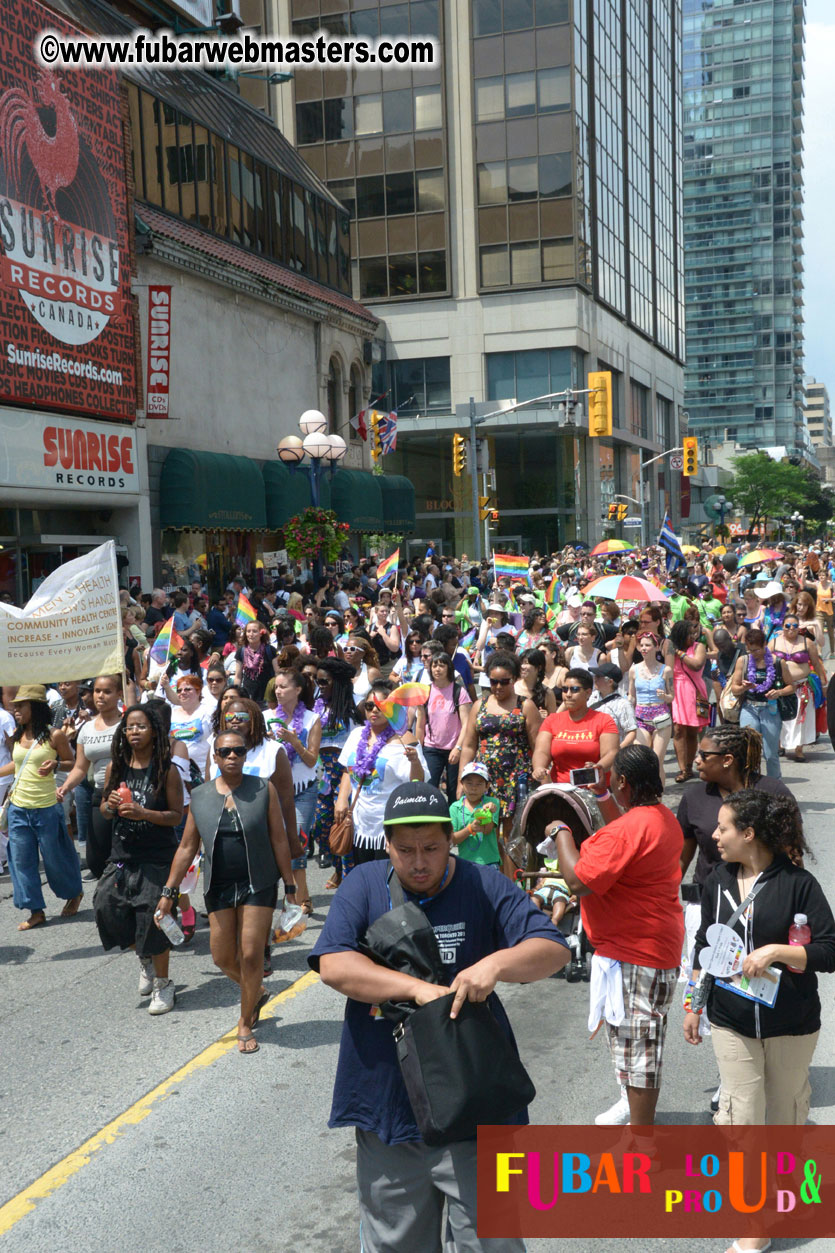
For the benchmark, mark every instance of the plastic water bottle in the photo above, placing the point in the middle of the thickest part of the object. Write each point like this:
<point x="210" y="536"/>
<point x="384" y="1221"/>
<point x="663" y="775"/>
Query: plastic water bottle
<point x="799" y="933"/>
<point x="125" y="794"/>
<point x="171" y="928"/>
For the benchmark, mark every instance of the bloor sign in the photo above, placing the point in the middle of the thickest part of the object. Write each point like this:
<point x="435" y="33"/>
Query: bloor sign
<point x="66" y="320"/>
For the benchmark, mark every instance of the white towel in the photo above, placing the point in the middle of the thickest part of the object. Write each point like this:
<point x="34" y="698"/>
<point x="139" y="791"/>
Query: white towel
<point x="605" y="992"/>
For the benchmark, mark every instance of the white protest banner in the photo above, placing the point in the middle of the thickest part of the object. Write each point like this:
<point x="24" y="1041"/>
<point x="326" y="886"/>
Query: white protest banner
<point x="72" y="626"/>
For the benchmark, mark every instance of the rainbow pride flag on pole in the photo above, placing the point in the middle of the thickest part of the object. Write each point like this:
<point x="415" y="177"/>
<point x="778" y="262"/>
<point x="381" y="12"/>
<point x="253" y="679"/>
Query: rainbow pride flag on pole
<point x="387" y="568"/>
<point x="244" y="612"/>
<point x="509" y="566"/>
<point x="552" y="591"/>
<point x="167" y="641"/>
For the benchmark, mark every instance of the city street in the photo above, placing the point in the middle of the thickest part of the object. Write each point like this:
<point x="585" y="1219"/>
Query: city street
<point x="132" y="1132"/>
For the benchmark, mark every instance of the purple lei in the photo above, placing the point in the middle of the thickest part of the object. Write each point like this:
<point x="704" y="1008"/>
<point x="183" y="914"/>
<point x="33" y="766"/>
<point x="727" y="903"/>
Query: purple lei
<point x="770" y="674"/>
<point x="296" y="726"/>
<point x="319" y="708"/>
<point x="366" y="759"/>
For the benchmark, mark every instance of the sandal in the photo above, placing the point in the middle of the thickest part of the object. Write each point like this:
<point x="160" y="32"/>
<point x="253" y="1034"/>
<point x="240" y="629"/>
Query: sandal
<point x="36" y="919"/>
<point x="247" y="1044"/>
<point x="333" y="883"/>
<point x="188" y="922"/>
<point x="799" y="755"/>
<point x="71" y="907"/>
<point x="256" y="1013"/>
<point x="307" y="907"/>
<point x="683" y="776"/>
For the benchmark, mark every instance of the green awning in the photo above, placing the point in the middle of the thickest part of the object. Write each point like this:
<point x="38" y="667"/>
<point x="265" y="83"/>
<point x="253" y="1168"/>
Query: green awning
<point x="289" y="493"/>
<point x="211" y="491"/>
<point x="356" y="499"/>
<point x="398" y="503"/>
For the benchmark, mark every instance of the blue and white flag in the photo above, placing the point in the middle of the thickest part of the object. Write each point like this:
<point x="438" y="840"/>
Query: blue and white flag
<point x="670" y="542"/>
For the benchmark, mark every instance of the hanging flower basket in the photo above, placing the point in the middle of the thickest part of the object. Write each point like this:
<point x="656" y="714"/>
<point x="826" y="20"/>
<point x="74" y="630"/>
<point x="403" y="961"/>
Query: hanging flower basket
<point x="315" y="533"/>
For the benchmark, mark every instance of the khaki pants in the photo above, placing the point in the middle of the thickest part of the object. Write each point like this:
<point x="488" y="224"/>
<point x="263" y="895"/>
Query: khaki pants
<point x="763" y="1080"/>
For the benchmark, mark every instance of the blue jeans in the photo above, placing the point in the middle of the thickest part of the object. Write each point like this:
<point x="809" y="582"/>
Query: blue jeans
<point x="83" y="797"/>
<point x="765" y="719"/>
<point x="44" y="831"/>
<point x="305" y="804"/>
<point x="437" y="759"/>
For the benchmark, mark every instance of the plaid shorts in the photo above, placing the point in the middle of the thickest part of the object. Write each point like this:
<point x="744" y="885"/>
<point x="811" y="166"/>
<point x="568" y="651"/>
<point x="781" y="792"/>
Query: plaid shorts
<point x="637" y="1044"/>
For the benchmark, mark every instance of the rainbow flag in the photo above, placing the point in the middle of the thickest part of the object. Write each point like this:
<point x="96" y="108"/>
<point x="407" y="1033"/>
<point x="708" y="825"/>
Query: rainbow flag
<point x="167" y="642"/>
<point x="508" y="566"/>
<point x="244" y="613"/>
<point x="388" y="567"/>
<point x="552" y="591"/>
<point x="393" y="708"/>
<point x="467" y="641"/>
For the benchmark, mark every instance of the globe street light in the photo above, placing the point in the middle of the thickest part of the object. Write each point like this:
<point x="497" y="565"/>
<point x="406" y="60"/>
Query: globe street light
<point x="322" y="450"/>
<point x="797" y="522"/>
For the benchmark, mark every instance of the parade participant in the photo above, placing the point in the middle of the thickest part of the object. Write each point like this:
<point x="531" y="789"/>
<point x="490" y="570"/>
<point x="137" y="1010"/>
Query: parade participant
<point x="299" y="729"/>
<point x="402" y="1182"/>
<point x="501" y="733"/>
<point x="141" y="848"/>
<point x="360" y="654"/>
<point x="800" y="658"/>
<point x="577" y="736"/>
<point x="37" y="827"/>
<point x="411" y="664"/>
<point x="255" y="662"/>
<point x="606" y="695"/>
<point x="493" y="623"/>
<point x="448" y="636"/>
<point x="337" y="714"/>
<point x="690" y="705"/>
<point x="757" y="683"/>
<point x="375" y="761"/>
<point x="441" y="724"/>
<point x="651" y="692"/>
<point x="385" y="637"/>
<point x="753" y="610"/>
<point x="773" y="601"/>
<point x="334" y="623"/>
<point x="93" y="745"/>
<point x="555" y="667"/>
<point x="191" y="725"/>
<point x="531" y="681"/>
<point x="535" y="629"/>
<point x="764" y="1051"/>
<point x="475" y="818"/>
<point x="805" y="607"/>
<point x="237" y="819"/>
<point x="627" y="877"/>
<point x="823" y="611"/>
<point x="583" y="654"/>
<point x="602" y="632"/>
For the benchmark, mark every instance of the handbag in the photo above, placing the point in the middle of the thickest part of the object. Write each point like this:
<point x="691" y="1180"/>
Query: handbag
<point x="341" y="834"/>
<point x="730" y="705"/>
<point x="787" y="706"/>
<point x="702" y="703"/>
<point x="4" y="811"/>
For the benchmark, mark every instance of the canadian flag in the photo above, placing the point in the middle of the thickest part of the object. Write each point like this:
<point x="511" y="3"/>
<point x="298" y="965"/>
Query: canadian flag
<point x="358" y="424"/>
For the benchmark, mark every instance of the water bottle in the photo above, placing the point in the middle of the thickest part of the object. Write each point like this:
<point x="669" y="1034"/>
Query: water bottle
<point x="125" y="794"/>
<point x="171" y="928"/>
<point x="799" y="933"/>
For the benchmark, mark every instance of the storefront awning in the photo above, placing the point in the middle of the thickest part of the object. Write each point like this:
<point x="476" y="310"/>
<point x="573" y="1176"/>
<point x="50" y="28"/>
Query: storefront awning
<point x="356" y="499"/>
<point x="398" y="503"/>
<point x="289" y="493"/>
<point x="211" y="491"/>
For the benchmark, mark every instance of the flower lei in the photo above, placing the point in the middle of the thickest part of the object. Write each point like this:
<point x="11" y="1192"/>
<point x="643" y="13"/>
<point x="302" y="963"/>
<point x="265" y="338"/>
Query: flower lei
<point x="366" y="759"/>
<point x="770" y="674"/>
<point x="296" y="726"/>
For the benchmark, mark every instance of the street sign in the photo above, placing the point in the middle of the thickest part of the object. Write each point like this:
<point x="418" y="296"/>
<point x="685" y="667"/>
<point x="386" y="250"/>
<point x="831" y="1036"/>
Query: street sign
<point x="677" y="461"/>
<point x="631" y="521"/>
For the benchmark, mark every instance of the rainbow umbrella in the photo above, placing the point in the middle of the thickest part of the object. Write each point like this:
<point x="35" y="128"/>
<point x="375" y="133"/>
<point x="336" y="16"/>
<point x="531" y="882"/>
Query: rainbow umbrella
<point x="612" y="546"/>
<point x="623" y="587"/>
<point x="759" y="555"/>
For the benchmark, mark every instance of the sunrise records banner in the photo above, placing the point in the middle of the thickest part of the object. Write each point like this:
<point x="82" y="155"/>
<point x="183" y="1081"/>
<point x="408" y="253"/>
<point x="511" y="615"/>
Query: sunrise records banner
<point x="159" y="351"/>
<point x="70" y="629"/>
<point x="66" y="324"/>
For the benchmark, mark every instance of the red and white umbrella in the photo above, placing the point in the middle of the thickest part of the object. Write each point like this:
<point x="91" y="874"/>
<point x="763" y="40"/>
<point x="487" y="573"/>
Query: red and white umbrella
<point x="623" y="587"/>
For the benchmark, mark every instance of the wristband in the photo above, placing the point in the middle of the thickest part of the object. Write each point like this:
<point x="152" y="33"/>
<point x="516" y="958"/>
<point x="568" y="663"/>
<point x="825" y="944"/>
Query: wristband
<point x="289" y="889"/>
<point x="605" y="796"/>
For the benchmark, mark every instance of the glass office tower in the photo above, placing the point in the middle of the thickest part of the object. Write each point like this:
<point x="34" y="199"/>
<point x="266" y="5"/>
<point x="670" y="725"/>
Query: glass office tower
<point x="743" y="221"/>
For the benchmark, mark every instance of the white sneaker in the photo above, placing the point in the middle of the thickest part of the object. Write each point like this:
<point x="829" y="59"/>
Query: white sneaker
<point x="162" y="997"/>
<point x="617" y="1115"/>
<point x="146" y="976"/>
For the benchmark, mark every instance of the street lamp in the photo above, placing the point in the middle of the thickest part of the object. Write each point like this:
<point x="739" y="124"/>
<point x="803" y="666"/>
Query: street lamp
<point x="322" y="449"/>
<point x="797" y="522"/>
<point x="721" y="505"/>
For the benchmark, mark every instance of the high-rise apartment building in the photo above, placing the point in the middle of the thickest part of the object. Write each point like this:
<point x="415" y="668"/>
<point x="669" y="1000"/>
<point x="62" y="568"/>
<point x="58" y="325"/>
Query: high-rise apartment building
<point x="515" y="222"/>
<point x="818" y="415"/>
<point x="743" y="221"/>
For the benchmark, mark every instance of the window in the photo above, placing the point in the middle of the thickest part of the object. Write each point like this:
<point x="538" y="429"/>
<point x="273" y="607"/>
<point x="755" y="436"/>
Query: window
<point x="495" y="270"/>
<point x="373" y="275"/>
<point x="518" y="14"/>
<point x="432" y="272"/>
<point x="520" y="92"/>
<point x="397" y="111"/>
<point x="522" y="179"/>
<point x="402" y="276"/>
<point x="400" y="193"/>
<point x="524" y="263"/>
<point x="553" y="88"/>
<point x="368" y="115"/>
<point x="525" y="375"/>
<point x="555" y="175"/>
<point x="492" y="183"/>
<point x="339" y="118"/>
<point x="487" y="17"/>
<point x="557" y="260"/>
<point x="419" y="386"/>
<point x="371" y="201"/>
<point x="309" y="125"/>
<point x="187" y="163"/>
<point x="430" y="190"/>
<point x="427" y="108"/>
<point x="489" y="99"/>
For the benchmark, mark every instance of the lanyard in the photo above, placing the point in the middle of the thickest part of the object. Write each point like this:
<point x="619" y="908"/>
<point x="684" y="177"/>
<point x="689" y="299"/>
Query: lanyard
<point x="426" y="899"/>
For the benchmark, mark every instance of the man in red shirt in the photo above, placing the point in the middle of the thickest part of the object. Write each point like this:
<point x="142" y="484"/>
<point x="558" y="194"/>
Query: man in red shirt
<point x="627" y="875"/>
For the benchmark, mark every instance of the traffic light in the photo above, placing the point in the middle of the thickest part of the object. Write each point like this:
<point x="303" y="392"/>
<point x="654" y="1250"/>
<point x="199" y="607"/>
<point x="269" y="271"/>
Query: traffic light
<point x="484" y="508"/>
<point x="613" y="512"/>
<point x="459" y="455"/>
<point x="691" y="455"/>
<point x="600" y="403"/>
<point x="494" y="516"/>
<point x="376" y="445"/>
<point x="622" y="512"/>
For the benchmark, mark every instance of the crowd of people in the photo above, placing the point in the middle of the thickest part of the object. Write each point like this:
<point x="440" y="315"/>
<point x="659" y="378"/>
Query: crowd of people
<point x="258" y="737"/>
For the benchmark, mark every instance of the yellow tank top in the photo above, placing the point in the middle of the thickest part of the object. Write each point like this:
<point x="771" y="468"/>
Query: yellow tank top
<point x="31" y="791"/>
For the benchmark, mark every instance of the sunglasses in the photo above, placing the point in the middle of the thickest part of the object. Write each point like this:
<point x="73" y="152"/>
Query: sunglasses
<point x="371" y="708"/>
<point x="352" y="648"/>
<point x="238" y="717"/>
<point x="578" y="688"/>
<point x="710" y="752"/>
<point x="231" y="750"/>
<point x="789" y="625"/>
<point x="500" y="682"/>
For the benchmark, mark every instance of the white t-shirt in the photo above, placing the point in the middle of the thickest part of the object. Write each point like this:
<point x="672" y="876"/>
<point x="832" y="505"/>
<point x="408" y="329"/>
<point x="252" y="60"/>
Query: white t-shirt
<point x="8" y="726"/>
<point x="391" y="768"/>
<point x="97" y="745"/>
<point x="302" y="774"/>
<point x="260" y="760"/>
<point x="193" y="730"/>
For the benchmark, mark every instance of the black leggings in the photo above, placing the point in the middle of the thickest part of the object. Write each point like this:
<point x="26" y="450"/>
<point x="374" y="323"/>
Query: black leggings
<point x="99" y="838"/>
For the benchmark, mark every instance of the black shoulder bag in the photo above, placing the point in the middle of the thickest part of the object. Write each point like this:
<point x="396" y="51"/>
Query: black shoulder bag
<point x="458" y="1072"/>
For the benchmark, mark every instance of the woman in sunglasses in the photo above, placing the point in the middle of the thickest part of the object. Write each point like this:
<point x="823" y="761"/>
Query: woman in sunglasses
<point x="576" y="736"/>
<point x="362" y="656"/>
<point x="237" y="818"/>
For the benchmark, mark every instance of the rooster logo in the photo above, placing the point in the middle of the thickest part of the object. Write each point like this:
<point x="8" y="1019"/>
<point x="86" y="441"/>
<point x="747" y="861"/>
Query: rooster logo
<point x="54" y="157"/>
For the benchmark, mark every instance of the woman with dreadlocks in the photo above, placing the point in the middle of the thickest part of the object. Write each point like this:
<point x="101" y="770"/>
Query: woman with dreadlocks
<point x="338" y="713"/>
<point x="143" y="799"/>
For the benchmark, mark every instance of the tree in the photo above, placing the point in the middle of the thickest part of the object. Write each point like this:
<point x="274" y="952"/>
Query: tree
<point x="763" y="488"/>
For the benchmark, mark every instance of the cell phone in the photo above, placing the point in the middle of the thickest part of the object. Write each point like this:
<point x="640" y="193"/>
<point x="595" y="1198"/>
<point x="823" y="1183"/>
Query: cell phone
<point x="585" y="776"/>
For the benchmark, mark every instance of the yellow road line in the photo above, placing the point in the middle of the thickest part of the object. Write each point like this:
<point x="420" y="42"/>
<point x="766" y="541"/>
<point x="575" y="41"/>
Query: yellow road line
<point x="22" y="1204"/>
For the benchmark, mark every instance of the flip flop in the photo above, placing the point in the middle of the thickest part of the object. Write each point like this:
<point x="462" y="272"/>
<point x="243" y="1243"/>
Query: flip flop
<point x="333" y="883"/>
<point x="738" y="1249"/>
<point x="71" y="908"/>
<point x="29" y="925"/>
<point x="256" y="1013"/>
<point x="247" y="1040"/>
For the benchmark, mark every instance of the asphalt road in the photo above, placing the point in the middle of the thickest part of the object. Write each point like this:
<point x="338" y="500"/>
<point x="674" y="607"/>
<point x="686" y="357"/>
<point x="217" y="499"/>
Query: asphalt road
<point x="129" y="1132"/>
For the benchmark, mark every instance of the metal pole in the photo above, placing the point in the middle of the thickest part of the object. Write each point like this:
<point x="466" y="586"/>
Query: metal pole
<point x="474" y="481"/>
<point x="641" y="498"/>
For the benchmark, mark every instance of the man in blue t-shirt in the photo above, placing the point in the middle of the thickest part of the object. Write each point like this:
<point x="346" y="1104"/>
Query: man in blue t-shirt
<point x="488" y="932"/>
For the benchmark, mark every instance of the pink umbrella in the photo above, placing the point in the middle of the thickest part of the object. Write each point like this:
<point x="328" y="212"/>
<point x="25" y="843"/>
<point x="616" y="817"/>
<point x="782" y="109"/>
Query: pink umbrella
<point x="623" y="587"/>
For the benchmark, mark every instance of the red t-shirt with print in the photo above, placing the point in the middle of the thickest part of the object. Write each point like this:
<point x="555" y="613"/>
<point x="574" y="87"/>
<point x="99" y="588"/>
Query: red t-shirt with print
<point x="575" y="743"/>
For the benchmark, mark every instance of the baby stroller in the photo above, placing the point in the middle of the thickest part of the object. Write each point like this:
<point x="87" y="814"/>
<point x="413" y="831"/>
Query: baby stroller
<point x="578" y="809"/>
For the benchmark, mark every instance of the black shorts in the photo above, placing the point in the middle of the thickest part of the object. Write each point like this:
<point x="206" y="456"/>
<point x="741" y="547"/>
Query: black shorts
<point x="124" y="903"/>
<point x="231" y="895"/>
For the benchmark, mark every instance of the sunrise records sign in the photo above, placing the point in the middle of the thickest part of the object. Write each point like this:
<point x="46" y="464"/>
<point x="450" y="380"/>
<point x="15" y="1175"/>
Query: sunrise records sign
<point x="66" y="323"/>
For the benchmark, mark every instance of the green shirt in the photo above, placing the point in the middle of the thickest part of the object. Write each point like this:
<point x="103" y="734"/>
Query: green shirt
<point x="483" y="849"/>
<point x="678" y="604"/>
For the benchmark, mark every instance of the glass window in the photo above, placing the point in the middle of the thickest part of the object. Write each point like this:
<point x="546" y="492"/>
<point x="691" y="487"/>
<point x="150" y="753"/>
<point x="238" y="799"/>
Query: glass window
<point x="495" y="270"/>
<point x="394" y="20"/>
<point x="557" y="260"/>
<point x="427" y="108"/>
<point x="524" y="263"/>
<point x="298" y="256"/>
<point x="397" y="111"/>
<point x="489" y="99"/>
<point x="432" y="271"/>
<point x="400" y="193"/>
<point x="233" y="163"/>
<point x="371" y="201"/>
<point x="373" y="278"/>
<point x="339" y="118"/>
<point x="501" y="376"/>
<point x="532" y="374"/>
<point x="402" y="276"/>
<point x="424" y="17"/>
<point x="521" y="94"/>
<point x="555" y="175"/>
<point x="366" y="22"/>
<point x="430" y="190"/>
<point x="487" y="17"/>
<point x="492" y="183"/>
<point x="309" y="128"/>
<point x="518" y="14"/>
<point x="344" y="191"/>
<point x="368" y="115"/>
<point x="549" y="12"/>
<point x="522" y="179"/>
<point x="553" y="89"/>
<point x="436" y="373"/>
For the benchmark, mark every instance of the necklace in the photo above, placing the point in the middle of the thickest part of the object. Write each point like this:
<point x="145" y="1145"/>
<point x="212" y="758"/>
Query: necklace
<point x="296" y="726"/>
<point x="751" y="674"/>
<point x="366" y="759"/>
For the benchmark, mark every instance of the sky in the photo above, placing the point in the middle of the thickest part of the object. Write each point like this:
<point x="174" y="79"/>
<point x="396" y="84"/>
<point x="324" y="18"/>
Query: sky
<point x="819" y="168"/>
